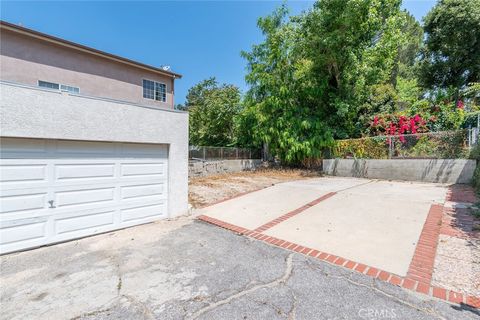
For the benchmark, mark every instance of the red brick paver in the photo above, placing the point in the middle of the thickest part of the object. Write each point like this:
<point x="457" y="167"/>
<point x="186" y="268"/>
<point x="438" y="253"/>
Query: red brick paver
<point x="292" y="213"/>
<point x="421" y="267"/>
<point x="461" y="193"/>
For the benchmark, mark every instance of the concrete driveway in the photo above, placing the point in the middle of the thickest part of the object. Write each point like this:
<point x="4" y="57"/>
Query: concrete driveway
<point x="376" y="223"/>
<point x="186" y="269"/>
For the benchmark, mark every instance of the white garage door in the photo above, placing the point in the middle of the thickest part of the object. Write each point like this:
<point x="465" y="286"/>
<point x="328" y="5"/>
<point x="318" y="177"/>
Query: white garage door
<point x="55" y="190"/>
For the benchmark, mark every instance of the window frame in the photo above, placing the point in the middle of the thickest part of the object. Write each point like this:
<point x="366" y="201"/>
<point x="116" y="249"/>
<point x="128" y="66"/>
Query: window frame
<point x="155" y="90"/>
<point x="60" y="85"/>
<point x="68" y="86"/>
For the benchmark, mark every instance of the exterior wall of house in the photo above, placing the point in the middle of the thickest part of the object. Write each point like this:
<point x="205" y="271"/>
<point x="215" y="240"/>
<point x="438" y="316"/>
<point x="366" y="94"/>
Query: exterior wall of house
<point x="30" y="112"/>
<point x="26" y="60"/>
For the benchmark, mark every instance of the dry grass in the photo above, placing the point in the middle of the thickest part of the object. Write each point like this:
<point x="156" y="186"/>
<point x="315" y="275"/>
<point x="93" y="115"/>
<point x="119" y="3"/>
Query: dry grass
<point x="207" y="190"/>
<point x="281" y="174"/>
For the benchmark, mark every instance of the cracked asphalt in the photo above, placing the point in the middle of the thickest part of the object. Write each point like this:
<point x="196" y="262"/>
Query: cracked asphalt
<point x="186" y="269"/>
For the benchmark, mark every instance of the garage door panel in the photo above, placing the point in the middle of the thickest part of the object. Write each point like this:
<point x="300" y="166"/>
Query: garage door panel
<point x="144" y="212"/>
<point x="86" y="197"/>
<point x="22" y="202"/>
<point x="21" y="173"/>
<point x="85" y="222"/>
<point x="142" y="191"/>
<point x="80" y="172"/>
<point x="21" y="234"/>
<point x="143" y="170"/>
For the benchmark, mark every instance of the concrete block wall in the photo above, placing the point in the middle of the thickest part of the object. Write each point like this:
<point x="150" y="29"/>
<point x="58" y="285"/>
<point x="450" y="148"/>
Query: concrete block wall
<point x="426" y="170"/>
<point x="206" y="168"/>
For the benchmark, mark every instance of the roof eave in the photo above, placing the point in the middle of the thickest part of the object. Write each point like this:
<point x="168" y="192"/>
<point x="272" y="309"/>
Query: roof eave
<point x="80" y="47"/>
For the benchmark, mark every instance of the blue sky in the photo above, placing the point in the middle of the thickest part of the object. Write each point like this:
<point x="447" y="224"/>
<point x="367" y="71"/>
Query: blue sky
<point x="197" y="39"/>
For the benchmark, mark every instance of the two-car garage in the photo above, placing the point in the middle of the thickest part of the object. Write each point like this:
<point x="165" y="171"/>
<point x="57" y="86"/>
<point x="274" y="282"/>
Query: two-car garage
<point x="55" y="190"/>
<point x="73" y="166"/>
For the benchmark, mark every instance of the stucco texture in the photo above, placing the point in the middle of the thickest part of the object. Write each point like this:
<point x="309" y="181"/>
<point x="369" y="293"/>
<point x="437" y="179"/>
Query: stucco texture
<point x="36" y="113"/>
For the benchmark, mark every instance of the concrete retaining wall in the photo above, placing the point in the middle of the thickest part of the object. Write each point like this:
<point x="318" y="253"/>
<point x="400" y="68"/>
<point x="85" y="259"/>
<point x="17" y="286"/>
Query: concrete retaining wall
<point x="198" y="169"/>
<point x="426" y="170"/>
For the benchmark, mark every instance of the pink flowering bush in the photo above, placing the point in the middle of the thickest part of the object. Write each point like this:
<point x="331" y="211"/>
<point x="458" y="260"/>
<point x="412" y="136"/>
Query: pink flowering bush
<point x="395" y="124"/>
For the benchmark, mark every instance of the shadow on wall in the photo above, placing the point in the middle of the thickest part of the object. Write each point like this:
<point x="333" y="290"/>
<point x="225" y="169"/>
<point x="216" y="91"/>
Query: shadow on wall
<point x="333" y="168"/>
<point x="441" y="172"/>
<point x="426" y="170"/>
<point x="360" y="168"/>
<point x="446" y="170"/>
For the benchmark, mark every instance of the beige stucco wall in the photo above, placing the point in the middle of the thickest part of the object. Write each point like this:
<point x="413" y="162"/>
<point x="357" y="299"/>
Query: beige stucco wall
<point x="25" y="60"/>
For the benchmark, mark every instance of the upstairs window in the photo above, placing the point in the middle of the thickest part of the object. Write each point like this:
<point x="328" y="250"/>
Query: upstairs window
<point x="57" y="86"/>
<point x="69" y="88"/>
<point x="148" y="89"/>
<point x="49" y="85"/>
<point x="154" y="90"/>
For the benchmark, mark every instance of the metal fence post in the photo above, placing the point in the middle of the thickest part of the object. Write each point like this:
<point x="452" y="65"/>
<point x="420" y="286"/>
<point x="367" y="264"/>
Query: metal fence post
<point x="469" y="136"/>
<point x="390" y="147"/>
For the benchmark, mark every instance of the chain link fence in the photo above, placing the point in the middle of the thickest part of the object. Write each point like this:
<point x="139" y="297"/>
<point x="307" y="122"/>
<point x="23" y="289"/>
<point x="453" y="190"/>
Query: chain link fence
<point x="222" y="153"/>
<point x="431" y="145"/>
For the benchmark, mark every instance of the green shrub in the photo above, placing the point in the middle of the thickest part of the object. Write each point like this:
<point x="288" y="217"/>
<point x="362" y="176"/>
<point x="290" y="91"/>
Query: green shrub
<point x="446" y="145"/>
<point x="367" y="148"/>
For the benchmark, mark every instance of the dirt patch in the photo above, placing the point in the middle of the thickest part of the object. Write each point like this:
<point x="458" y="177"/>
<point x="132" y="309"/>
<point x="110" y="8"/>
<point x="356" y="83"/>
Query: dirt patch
<point x="208" y="190"/>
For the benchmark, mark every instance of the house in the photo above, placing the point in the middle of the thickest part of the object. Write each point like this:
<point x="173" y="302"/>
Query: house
<point x="89" y="141"/>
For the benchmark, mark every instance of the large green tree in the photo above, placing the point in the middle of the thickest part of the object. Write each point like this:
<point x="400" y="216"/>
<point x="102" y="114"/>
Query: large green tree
<point x="451" y="56"/>
<point x="212" y="111"/>
<point x="311" y="76"/>
<point x="401" y="90"/>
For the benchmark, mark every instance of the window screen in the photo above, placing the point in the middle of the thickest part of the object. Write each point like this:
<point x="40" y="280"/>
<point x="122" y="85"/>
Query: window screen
<point x="148" y="89"/>
<point x="50" y="85"/>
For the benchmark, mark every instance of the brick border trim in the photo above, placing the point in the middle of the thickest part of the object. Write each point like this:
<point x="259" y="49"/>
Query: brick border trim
<point x="222" y="224"/>
<point x="421" y="266"/>
<point x="292" y="213"/>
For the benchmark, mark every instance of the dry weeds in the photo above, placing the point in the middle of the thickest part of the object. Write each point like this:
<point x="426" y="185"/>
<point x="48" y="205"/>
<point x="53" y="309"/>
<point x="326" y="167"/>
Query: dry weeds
<point x="207" y="190"/>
